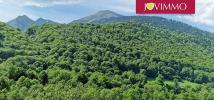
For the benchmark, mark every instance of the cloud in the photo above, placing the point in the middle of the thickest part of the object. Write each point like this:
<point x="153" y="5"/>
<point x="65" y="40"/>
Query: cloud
<point x="204" y="12"/>
<point x="120" y="6"/>
<point x="40" y="3"/>
<point x="126" y="6"/>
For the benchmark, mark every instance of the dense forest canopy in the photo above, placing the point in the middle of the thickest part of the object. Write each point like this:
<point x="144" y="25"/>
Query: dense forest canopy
<point x="128" y="60"/>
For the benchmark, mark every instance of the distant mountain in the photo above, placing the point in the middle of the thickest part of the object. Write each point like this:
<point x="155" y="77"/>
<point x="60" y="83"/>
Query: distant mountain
<point x="154" y="20"/>
<point x="21" y="22"/>
<point x="24" y="22"/>
<point x="104" y="14"/>
<point x="41" y="21"/>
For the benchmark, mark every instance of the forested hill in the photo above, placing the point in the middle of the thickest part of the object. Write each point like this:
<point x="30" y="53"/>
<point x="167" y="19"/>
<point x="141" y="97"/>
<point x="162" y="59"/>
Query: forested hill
<point x="117" y="61"/>
<point x="154" y="20"/>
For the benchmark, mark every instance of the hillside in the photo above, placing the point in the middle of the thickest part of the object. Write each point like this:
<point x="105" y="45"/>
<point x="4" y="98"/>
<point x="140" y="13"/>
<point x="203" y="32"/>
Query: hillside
<point x="111" y="61"/>
<point x="154" y="20"/>
<point x="24" y="22"/>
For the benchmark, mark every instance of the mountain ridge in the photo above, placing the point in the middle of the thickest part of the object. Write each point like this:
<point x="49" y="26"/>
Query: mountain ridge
<point x="99" y="15"/>
<point x="41" y="21"/>
<point x="106" y="17"/>
<point x="24" y="22"/>
<point x="155" y="20"/>
<point x="21" y="22"/>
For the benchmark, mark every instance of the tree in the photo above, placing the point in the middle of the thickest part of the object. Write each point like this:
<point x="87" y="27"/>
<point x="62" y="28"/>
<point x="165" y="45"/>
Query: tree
<point x="4" y="83"/>
<point x="176" y="86"/>
<point x="160" y="80"/>
<point x="187" y="73"/>
<point x="132" y="94"/>
<point x="200" y="77"/>
<point x="43" y="77"/>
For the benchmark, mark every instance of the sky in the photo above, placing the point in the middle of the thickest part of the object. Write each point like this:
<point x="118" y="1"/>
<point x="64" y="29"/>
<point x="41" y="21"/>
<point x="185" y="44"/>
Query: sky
<point x="64" y="11"/>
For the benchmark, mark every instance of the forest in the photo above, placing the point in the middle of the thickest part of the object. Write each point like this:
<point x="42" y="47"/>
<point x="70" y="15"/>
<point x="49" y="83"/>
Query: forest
<point x="117" y="61"/>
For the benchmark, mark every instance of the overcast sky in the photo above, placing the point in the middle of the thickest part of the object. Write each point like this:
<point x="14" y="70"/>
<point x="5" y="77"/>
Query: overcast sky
<point x="65" y="11"/>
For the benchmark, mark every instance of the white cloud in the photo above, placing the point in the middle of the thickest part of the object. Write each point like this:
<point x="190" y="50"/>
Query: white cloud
<point x="204" y="12"/>
<point x="39" y="3"/>
<point x="126" y="5"/>
<point x="10" y="11"/>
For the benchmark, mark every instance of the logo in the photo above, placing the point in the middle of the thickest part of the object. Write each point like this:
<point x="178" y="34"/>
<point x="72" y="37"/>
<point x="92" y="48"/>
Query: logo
<point x="165" y="6"/>
<point x="150" y="6"/>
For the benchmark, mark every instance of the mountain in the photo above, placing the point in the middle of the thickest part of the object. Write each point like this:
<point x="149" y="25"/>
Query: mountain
<point x="21" y="22"/>
<point x="41" y="21"/>
<point x="104" y="14"/>
<point x="24" y="22"/>
<point x="154" y="20"/>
